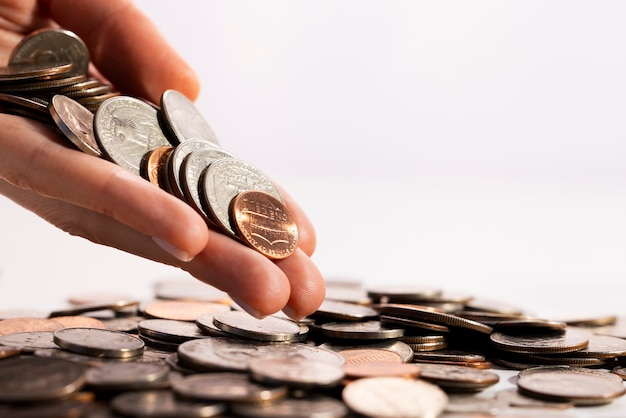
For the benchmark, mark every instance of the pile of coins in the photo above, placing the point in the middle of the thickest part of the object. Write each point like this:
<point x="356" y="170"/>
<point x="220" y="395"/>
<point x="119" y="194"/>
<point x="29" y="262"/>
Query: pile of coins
<point x="407" y="351"/>
<point x="170" y="144"/>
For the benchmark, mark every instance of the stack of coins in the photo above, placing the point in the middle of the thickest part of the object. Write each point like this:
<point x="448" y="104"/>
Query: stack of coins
<point x="195" y="353"/>
<point x="170" y="144"/>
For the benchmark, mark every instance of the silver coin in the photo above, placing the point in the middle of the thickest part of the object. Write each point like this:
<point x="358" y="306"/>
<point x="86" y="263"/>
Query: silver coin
<point x="177" y="157"/>
<point x="267" y="329"/>
<point x="76" y="122"/>
<point x="128" y="376"/>
<point x="223" y="180"/>
<point x="29" y="379"/>
<point x="574" y="384"/>
<point x="114" y="305"/>
<point x="162" y="404"/>
<point x="126" y="129"/>
<point x="404" y="293"/>
<point x="98" y="342"/>
<point x="345" y="311"/>
<point x="367" y="330"/>
<point x="313" y="406"/>
<point x="169" y="330"/>
<point x="234" y="355"/>
<point x="230" y="387"/>
<point x="29" y="341"/>
<point x="190" y="172"/>
<point x="205" y="323"/>
<point x="402" y="349"/>
<point x="457" y="377"/>
<point x="296" y="372"/>
<point x="52" y="46"/>
<point x="183" y="119"/>
<point x="394" y="397"/>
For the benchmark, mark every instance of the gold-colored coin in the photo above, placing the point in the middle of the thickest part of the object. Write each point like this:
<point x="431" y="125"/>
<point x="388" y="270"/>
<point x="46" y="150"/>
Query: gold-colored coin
<point x="153" y="167"/>
<point x="265" y="224"/>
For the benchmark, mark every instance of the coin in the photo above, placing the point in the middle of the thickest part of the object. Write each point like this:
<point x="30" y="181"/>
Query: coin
<point x="76" y="122"/>
<point x="367" y="330"/>
<point x="98" y="342"/>
<point x="169" y="330"/>
<point x="380" y="369"/>
<point x="555" y="342"/>
<point x="457" y="377"/>
<point x="317" y="406"/>
<point x="6" y="352"/>
<point x="182" y="118"/>
<point x="113" y="305"/>
<point x="267" y="329"/>
<point x="126" y="129"/>
<point x="28" y="72"/>
<point x="402" y="349"/>
<point x="370" y="355"/>
<point x="191" y="170"/>
<point x="429" y="315"/>
<point x="234" y="355"/>
<point x="52" y="46"/>
<point x="15" y="325"/>
<point x="578" y="385"/>
<point x="29" y="341"/>
<point x="403" y="293"/>
<point x="153" y="166"/>
<point x="182" y="310"/>
<point x="295" y="372"/>
<point x="127" y="376"/>
<point x="225" y="179"/>
<point x="344" y="311"/>
<point x="162" y="403"/>
<point x="205" y="323"/>
<point x="55" y="379"/>
<point x="264" y="223"/>
<point x="394" y="397"/>
<point x="231" y="387"/>
<point x="177" y="158"/>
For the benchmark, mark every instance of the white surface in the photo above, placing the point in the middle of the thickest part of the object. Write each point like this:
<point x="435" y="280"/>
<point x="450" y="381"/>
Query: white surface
<point x="478" y="146"/>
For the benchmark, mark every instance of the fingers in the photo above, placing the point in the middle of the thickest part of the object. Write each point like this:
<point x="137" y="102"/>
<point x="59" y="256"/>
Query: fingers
<point x="126" y="47"/>
<point x="31" y="159"/>
<point x="257" y="284"/>
<point x="307" y="239"/>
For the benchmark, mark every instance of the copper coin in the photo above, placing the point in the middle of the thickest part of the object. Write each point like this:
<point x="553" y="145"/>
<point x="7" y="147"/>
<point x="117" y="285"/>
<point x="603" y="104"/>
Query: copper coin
<point x="367" y="355"/>
<point x="265" y="224"/>
<point x="153" y="166"/>
<point x="578" y="385"/>
<point x="380" y="368"/>
<point x="79" y="322"/>
<point x="543" y="342"/>
<point x="15" y="325"/>
<point x="183" y="310"/>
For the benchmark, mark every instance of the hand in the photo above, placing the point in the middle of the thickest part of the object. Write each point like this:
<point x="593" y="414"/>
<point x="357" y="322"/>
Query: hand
<point x="97" y="200"/>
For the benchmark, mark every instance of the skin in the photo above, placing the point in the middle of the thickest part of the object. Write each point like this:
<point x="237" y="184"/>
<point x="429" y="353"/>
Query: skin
<point x="97" y="200"/>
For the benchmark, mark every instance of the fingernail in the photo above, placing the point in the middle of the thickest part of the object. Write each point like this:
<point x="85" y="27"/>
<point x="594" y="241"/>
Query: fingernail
<point x="172" y="250"/>
<point x="247" y="308"/>
<point x="291" y="313"/>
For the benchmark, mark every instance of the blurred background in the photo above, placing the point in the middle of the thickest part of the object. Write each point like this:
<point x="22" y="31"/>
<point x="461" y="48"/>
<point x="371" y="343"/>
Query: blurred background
<point x="478" y="146"/>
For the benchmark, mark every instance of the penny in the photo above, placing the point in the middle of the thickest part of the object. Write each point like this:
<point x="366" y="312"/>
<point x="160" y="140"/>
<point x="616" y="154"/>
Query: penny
<point x="367" y="330"/>
<point x="154" y="164"/>
<point x="126" y="129"/>
<point x="76" y="123"/>
<point x="368" y="355"/>
<point x="380" y="369"/>
<point x="55" y="379"/>
<point x="225" y="179"/>
<point x="182" y="310"/>
<point x="79" y="322"/>
<point x="556" y="342"/>
<point x="267" y="329"/>
<point x="182" y="118"/>
<point x="264" y="223"/>
<point x="6" y="352"/>
<point x="580" y="386"/>
<point x="15" y="325"/>
<point x="52" y="46"/>
<point x="402" y="349"/>
<point x="457" y="377"/>
<point x="295" y="372"/>
<point x="394" y="397"/>
<point x="318" y="406"/>
<point x="162" y="403"/>
<point x="231" y="387"/>
<point x="98" y="342"/>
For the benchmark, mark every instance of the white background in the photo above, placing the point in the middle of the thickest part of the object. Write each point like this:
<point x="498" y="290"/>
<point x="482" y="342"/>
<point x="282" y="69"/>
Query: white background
<point x="475" y="146"/>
